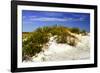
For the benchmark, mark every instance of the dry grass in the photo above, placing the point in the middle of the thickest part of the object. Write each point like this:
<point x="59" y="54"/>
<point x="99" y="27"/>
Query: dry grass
<point x="35" y="40"/>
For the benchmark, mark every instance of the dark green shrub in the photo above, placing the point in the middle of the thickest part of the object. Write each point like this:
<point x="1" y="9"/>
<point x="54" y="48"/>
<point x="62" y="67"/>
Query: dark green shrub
<point x="75" y="30"/>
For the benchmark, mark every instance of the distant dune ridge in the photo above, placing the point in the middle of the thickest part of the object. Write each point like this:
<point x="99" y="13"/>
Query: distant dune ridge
<point x="58" y="44"/>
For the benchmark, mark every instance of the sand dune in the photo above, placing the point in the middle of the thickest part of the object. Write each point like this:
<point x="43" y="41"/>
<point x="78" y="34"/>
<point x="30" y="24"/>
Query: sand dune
<point x="58" y="52"/>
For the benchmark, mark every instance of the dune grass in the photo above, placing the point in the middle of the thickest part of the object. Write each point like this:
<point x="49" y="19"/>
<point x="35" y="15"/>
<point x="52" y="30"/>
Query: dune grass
<point x="36" y="39"/>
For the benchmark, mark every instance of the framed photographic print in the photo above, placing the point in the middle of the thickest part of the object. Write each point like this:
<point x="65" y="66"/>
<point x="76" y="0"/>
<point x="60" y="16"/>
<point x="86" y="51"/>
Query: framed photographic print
<point x="51" y="36"/>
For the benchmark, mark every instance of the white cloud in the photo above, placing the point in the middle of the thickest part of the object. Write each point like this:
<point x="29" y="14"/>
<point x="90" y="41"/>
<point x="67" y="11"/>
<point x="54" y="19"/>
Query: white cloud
<point x="37" y="18"/>
<point x="48" y="19"/>
<point x="29" y="17"/>
<point x="55" y="19"/>
<point x="27" y="22"/>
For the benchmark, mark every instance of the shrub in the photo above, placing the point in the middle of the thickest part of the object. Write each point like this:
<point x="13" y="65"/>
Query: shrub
<point x="40" y="38"/>
<point x="62" y="38"/>
<point x="75" y="30"/>
<point x="44" y="29"/>
<point x="31" y="49"/>
<point x="34" y="43"/>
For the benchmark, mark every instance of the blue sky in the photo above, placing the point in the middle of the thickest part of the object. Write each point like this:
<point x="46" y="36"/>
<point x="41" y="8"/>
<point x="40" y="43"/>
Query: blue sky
<point x="31" y="20"/>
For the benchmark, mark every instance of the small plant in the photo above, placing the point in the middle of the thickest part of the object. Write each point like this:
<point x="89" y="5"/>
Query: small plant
<point x="75" y="30"/>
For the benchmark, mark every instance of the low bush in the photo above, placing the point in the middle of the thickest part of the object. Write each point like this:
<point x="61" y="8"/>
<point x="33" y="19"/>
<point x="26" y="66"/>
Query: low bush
<point x="75" y="30"/>
<point x="34" y="43"/>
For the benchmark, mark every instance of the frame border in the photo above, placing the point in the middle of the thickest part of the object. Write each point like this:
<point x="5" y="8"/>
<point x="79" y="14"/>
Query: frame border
<point x="14" y="5"/>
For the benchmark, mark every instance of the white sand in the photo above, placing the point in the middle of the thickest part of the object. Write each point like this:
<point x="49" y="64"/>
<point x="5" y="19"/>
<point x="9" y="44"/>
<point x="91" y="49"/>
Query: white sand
<point x="57" y="52"/>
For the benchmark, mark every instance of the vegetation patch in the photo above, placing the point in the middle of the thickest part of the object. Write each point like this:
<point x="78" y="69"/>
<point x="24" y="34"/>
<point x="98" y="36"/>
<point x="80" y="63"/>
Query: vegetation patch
<point x="33" y="41"/>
